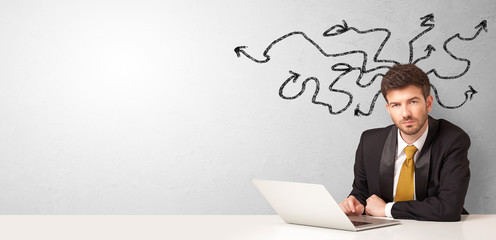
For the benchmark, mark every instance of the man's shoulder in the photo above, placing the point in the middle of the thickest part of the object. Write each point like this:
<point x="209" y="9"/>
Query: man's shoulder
<point x="377" y="132"/>
<point x="446" y="128"/>
<point x="447" y="125"/>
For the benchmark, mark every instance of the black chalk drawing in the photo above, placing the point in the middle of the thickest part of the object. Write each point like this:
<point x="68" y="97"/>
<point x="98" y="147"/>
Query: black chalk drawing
<point x="366" y="76"/>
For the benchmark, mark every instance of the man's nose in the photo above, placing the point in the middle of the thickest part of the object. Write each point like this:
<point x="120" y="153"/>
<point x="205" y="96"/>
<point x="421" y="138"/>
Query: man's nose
<point x="405" y="112"/>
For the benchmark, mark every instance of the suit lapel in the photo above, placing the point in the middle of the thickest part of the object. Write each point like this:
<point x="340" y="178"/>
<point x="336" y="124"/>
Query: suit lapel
<point x="423" y="162"/>
<point x="421" y="166"/>
<point x="387" y="165"/>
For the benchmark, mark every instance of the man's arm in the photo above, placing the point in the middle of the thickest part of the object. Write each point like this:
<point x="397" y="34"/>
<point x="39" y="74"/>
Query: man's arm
<point x="360" y="189"/>
<point x="376" y="206"/>
<point x="351" y="206"/>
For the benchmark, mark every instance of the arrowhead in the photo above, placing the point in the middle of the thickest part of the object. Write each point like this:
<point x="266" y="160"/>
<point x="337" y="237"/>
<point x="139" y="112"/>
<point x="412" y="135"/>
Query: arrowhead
<point x="238" y="50"/>
<point x="482" y="25"/>
<point x="427" y="18"/>
<point x="345" y="24"/>
<point x="336" y="30"/>
<point x="429" y="48"/>
<point x="470" y="93"/>
<point x="294" y="76"/>
<point x="358" y="113"/>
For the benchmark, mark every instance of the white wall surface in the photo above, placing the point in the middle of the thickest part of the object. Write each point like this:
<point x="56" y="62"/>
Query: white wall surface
<point x="143" y="107"/>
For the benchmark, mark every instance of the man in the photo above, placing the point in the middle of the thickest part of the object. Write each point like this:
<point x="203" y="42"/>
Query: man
<point x="416" y="168"/>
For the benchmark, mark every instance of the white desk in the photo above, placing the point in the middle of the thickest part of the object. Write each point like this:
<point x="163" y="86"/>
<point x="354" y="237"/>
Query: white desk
<point x="229" y="227"/>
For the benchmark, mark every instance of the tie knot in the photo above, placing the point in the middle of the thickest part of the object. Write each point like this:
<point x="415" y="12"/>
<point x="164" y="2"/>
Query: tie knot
<point x="410" y="151"/>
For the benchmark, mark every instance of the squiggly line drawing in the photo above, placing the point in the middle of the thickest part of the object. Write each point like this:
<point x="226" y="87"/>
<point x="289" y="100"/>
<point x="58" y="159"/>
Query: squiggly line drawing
<point x="343" y="67"/>
<point x="359" y="112"/>
<point x="294" y="77"/>
<point x="427" y="22"/>
<point x="468" y="96"/>
<point x="480" y="27"/>
<point x="429" y="49"/>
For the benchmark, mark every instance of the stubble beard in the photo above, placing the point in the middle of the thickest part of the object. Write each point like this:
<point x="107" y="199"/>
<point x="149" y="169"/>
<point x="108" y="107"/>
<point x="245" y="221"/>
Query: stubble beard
<point x="413" y="130"/>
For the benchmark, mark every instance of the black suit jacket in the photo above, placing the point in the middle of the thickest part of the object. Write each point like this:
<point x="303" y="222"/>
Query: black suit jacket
<point x="441" y="171"/>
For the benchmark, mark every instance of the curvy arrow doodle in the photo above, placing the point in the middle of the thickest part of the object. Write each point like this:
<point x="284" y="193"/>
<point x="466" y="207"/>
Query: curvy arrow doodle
<point x="367" y="76"/>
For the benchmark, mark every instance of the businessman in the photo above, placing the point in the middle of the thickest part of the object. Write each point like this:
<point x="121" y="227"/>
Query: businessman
<point x="416" y="168"/>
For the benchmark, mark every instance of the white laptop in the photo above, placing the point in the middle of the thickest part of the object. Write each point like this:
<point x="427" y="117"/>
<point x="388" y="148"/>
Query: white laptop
<point x="312" y="205"/>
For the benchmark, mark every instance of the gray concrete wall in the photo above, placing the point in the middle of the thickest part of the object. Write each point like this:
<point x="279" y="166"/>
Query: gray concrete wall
<point x="144" y="107"/>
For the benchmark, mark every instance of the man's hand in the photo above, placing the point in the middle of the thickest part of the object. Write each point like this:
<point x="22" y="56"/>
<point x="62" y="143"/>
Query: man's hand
<point x="351" y="206"/>
<point x="376" y="206"/>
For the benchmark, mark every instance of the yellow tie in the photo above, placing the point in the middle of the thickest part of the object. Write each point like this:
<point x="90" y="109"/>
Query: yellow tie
<point x="405" y="188"/>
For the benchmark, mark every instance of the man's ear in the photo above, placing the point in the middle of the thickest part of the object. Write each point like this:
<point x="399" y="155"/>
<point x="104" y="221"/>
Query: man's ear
<point x="429" y="102"/>
<point x="387" y="104"/>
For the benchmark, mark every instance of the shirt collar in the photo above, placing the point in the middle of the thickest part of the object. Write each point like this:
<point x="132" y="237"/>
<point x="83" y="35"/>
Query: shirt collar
<point x="418" y="144"/>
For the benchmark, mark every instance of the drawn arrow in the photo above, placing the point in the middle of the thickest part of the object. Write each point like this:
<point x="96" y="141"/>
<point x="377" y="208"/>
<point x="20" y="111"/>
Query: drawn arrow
<point x="240" y="50"/>
<point x="345" y="69"/>
<point x="333" y="31"/>
<point x="468" y="96"/>
<point x="344" y="28"/>
<point x="470" y="93"/>
<point x="359" y="113"/>
<point x="336" y="30"/>
<point x="482" y="26"/>
<point x="294" y="77"/>
<point x="427" y="21"/>
<point x="340" y="29"/>
<point x="429" y="49"/>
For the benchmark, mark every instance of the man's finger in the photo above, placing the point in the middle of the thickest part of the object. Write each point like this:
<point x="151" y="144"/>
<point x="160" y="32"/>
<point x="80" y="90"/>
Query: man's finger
<point x="346" y="206"/>
<point x="346" y="211"/>
<point x="351" y="202"/>
<point x="361" y="208"/>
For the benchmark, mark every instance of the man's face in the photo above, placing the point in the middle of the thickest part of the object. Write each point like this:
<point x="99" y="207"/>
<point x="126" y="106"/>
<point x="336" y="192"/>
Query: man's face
<point x="409" y="110"/>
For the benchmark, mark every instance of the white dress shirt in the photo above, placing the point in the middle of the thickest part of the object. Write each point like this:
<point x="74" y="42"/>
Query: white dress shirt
<point x="398" y="163"/>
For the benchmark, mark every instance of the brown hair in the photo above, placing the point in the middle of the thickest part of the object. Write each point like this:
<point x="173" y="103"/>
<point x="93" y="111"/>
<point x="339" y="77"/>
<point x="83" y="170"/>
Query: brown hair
<point x="404" y="75"/>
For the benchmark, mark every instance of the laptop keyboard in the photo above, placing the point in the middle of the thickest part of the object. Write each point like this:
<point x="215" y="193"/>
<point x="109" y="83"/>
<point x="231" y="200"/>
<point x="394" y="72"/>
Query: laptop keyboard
<point x="357" y="223"/>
